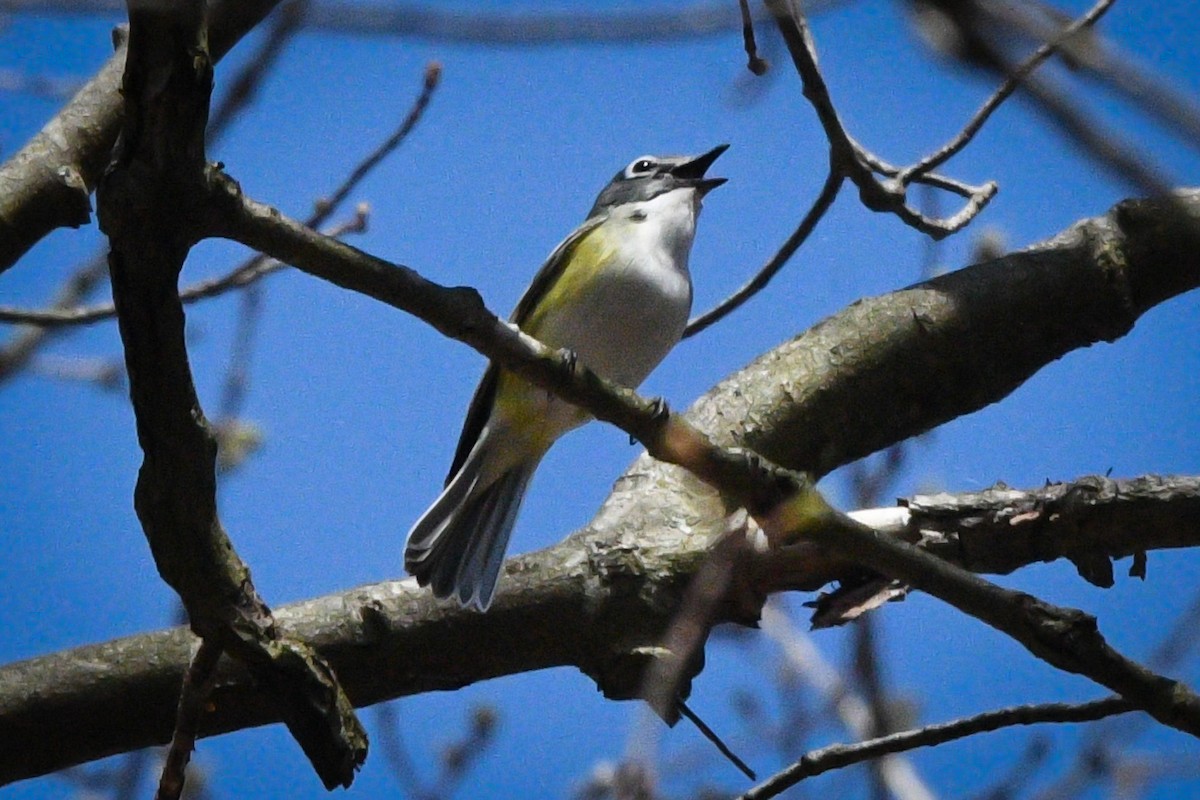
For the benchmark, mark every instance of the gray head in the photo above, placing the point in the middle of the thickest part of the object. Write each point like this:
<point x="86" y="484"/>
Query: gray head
<point x="649" y="176"/>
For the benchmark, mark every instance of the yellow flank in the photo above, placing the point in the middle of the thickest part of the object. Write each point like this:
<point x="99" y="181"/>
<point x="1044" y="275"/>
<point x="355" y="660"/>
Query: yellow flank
<point x="524" y="407"/>
<point x="593" y="250"/>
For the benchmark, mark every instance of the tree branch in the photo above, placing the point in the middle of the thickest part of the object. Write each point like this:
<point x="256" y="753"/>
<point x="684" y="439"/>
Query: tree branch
<point x="47" y="184"/>
<point x="851" y="160"/>
<point x="837" y="756"/>
<point x="67" y="313"/>
<point x="152" y="201"/>
<point x="607" y="592"/>
<point x="1089" y="521"/>
<point x="875" y="373"/>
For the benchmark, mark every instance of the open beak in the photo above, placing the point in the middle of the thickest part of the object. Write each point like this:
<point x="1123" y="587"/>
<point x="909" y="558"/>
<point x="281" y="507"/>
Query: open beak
<point x="691" y="172"/>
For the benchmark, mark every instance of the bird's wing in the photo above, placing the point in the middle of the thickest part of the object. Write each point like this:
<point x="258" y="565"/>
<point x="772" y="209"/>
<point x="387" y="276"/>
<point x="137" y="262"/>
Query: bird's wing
<point x="485" y="393"/>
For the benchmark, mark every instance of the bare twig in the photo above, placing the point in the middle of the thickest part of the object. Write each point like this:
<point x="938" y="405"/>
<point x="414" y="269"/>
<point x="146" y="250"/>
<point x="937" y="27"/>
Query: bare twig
<point x="868" y="675"/>
<point x="983" y="34"/>
<point x="986" y="30"/>
<point x="258" y="266"/>
<point x="378" y="646"/>
<point x="850" y="160"/>
<point x="868" y="480"/>
<point x="849" y="157"/>
<point x="851" y="709"/>
<point x="243" y="86"/>
<point x="829" y="192"/>
<point x="1177" y="644"/>
<point x="388" y="737"/>
<point x="197" y="683"/>
<point x="754" y="62"/>
<point x="838" y="756"/>
<point x="25" y="341"/>
<point x="457" y="757"/>
<point x="666" y="680"/>
<point x="1104" y="146"/>
<point x="250" y="271"/>
<point x="1063" y="637"/>
<point x="161" y="162"/>
<point x="48" y="183"/>
<point x="712" y="736"/>
<point x="1015" y="79"/>
<point x="433" y="76"/>
<point x="785" y="503"/>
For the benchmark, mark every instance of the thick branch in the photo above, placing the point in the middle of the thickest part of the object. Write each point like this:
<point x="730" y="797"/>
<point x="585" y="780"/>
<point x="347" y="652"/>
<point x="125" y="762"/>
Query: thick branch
<point x="900" y="364"/>
<point x="1089" y="521"/>
<point x="590" y="602"/>
<point x="151" y="203"/>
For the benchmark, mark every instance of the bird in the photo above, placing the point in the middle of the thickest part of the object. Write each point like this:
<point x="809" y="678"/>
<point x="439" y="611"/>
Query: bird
<point x="617" y="294"/>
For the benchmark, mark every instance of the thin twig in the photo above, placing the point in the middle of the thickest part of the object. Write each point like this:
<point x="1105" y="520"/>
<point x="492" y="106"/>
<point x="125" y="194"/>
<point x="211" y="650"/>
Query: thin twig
<point x="1104" y="146"/>
<point x="848" y="160"/>
<point x="388" y="735"/>
<point x="25" y="341"/>
<point x="248" y="272"/>
<point x="193" y="697"/>
<point x="433" y="76"/>
<point x="244" y="85"/>
<point x="801" y="654"/>
<point x="1175" y="645"/>
<point x="838" y="756"/>
<point x="258" y="266"/>
<point x="829" y="192"/>
<point x="852" y="159"/>
<point x="1010" y="85"/>
<point x="716" y="740"/>
<point x="754" y="62"/>
<point x="431" y="22"/>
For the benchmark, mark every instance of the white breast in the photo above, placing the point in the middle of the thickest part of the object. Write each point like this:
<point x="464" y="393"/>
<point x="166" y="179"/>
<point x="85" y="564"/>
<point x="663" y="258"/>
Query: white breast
<point x="637" y="314"/>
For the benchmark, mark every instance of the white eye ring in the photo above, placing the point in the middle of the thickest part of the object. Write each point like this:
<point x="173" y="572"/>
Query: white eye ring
<point x="642" y="166"/>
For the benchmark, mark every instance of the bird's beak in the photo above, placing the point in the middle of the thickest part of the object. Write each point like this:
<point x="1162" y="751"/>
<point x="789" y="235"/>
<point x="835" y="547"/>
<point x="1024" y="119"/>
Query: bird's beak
<point x="691" y="172"/>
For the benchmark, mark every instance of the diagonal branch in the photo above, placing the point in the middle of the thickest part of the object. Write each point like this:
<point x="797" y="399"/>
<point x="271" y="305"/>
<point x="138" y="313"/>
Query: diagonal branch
<point x="785" y="503"/>
<point x="829" y="193"/>
<point x="850" y="161"/>
<point x="587" y="602"/>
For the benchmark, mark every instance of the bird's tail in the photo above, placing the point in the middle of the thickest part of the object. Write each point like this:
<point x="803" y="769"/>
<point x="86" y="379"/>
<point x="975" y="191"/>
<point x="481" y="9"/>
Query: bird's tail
<point x="458" y="545"/>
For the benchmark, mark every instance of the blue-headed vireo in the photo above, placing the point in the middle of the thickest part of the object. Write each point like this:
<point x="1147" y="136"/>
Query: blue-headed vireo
<point x="617" y="292"/>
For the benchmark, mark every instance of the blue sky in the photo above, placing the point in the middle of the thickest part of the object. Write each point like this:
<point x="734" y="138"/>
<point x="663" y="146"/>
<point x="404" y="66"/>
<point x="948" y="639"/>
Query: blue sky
<point x="360" y="405"/>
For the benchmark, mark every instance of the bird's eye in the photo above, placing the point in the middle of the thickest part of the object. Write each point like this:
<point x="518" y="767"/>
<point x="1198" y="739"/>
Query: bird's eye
<point x="641" y="166"/>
